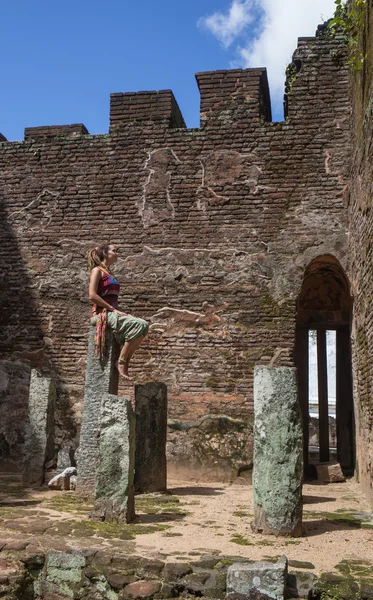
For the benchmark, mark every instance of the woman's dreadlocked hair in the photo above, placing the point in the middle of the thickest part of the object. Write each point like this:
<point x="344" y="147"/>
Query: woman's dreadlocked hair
<point x="96" y="256"/>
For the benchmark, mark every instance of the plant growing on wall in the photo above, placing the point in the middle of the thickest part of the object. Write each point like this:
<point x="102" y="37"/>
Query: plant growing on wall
<point x="349" y="18"/>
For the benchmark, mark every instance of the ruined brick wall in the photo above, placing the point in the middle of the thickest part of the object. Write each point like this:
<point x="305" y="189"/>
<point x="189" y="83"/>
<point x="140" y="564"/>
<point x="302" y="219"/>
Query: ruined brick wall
<point x="361" y="250"/>
<point x="215" y="227"/>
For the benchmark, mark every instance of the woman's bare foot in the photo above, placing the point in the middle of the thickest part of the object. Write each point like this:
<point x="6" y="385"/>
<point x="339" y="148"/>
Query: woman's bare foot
<point x="122" y="366"/>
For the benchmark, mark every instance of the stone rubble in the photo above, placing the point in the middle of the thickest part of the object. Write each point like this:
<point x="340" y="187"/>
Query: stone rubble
<point x="97" y="574"/>
<point x="63" y="480"/>
<point x="257" y="580"/>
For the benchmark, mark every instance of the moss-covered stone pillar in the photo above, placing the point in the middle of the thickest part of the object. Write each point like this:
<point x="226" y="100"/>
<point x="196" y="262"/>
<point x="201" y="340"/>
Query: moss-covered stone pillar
<point x="278" y="452"/>
<point x="151" y="434"/>
<point x="101" y="379"/>
<point x="39" y="430"/>
<point x="114" y="490"/>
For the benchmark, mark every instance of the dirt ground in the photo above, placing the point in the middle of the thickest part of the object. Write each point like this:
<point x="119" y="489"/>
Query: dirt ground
<point x="193" y="519"/>
<point x="337" y="523"/>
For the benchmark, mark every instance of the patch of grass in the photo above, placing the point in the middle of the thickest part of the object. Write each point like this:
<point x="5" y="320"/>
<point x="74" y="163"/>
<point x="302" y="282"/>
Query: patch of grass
<point x="112" y="530"/>
<point x="361" y="569"/>
<point x="151" y="504"/>
<point x="11" y="513"/>
<point x="264" y="543"/>
<point x="240" y="540"/>
<point x="353" y="576"/>
<point x="70" y="501"/>
<point x="291" y="543"/>
<point x="345" y="517"/>
<point x="241" y="513"/>
<point x="13" y="490"/>
<point x="224" y="562"/>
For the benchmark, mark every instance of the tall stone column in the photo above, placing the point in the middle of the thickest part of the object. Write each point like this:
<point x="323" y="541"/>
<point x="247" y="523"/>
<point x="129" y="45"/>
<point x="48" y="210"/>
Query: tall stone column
<point x="114" y="490"/>
<point x="151" y="436"/>
<point x="101" y="379"/>
<point x="278" y="452"/>
<point x="39" y="430"/>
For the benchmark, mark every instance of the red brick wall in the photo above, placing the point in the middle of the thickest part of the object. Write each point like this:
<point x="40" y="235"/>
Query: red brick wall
<point x="215" y="228"/>
<point x="361" y="253"/>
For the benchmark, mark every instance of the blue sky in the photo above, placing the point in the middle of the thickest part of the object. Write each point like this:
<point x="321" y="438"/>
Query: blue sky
<point x="61" y="60"/>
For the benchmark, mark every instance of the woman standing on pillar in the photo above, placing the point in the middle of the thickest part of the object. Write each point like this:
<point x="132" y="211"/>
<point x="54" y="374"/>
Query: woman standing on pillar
<point x="103" y="293"/>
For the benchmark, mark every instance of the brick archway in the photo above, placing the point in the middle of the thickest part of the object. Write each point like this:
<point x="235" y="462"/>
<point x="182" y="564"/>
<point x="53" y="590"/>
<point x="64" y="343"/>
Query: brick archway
<point x="325" y="303"/>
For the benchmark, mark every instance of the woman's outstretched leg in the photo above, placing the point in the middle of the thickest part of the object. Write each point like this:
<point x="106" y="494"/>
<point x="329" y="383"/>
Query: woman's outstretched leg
<point x="126" y="353"/>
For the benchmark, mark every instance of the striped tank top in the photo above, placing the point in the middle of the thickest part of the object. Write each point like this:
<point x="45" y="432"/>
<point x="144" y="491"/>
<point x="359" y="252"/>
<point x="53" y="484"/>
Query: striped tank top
<point x="108" y="290"/>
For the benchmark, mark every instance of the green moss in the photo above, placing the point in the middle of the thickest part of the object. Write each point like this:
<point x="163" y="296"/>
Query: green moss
<point x="268" y="304"/>
<point x="70" y="501"/>
<point x="348" y="582"/>
<point x="346" y="517"/>
<point x="331" y="588"/>
<point x="113" y="530"/>
<point x="224" y="562"/>
<point x="11" y="513"/>
<point x="151" y="505"/>
<point x="13" y="490"/>
<point x="242" y="513"/>
<point x="240" y="540"/>
<point x="358" y="569"/>
<point x="264" y="543"/>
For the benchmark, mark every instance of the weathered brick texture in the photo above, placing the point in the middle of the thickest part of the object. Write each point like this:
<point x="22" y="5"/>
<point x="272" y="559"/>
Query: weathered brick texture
<point x="361" y="256"/>
<point x="215" y="228"/>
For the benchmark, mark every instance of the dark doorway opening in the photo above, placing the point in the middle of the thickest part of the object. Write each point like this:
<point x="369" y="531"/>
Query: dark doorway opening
<point x="324" y="305"/>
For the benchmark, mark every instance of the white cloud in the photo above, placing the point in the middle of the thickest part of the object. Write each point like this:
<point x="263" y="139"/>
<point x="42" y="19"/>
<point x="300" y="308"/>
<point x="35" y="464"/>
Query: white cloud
<point x="227" y="27"/>
<point x="275" y="36"/>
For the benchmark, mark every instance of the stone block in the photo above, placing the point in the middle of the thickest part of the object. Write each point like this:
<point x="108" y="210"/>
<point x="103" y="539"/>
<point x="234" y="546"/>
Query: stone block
<point x="174" y="571"/>
<point x="301" y="584"/>
<point x="278" y="452"/>
<point x="39" y="431"/>
<point x="330" y="472"/>
<point x="101" y="378"/>
<point x="114" y="490"/>
<point x="259" y="580"/>
<point x="141" y="589"/>
<point x="151" y="433"/>
<point x="14" y="400"/>
<point x="63" y="566"/>
<point x="73" y="482"/>
<point x="63" y="574"/>
<point x="62" y="481"/>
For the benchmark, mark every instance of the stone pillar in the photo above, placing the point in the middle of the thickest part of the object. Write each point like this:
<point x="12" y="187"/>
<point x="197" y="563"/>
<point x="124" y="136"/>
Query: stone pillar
<point x="151" y="435"/>
<point x="101" y="379"/>
<point x="114" y="492"/>
<point x="39" y="430"/>
<point x="278" y="452"/>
